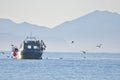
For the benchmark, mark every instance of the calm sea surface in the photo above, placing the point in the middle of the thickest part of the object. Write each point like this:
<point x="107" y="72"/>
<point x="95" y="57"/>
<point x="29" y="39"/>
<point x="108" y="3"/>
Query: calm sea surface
<point x="62" y="66"/>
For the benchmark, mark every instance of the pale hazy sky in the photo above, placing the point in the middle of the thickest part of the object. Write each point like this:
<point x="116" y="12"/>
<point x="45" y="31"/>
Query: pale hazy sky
<point x="52" y="12"/>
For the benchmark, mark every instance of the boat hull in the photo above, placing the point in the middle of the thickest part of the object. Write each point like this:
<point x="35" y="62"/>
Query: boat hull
<point x="30" y="55"/>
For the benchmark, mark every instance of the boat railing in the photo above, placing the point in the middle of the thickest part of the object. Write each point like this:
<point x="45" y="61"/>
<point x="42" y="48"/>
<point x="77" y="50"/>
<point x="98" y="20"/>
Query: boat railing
<point x="31" y="38"/>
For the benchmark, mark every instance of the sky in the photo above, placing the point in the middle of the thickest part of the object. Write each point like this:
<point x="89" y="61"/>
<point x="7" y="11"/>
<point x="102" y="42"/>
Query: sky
<point x="51" y="13"/>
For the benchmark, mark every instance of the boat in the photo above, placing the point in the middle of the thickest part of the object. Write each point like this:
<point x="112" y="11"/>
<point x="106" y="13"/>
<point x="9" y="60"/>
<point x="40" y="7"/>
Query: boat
<point x="31" y="48"/>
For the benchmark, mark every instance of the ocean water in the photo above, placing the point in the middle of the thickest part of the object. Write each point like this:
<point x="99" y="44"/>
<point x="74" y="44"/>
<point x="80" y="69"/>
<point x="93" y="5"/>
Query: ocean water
<point x="62" y="66"/>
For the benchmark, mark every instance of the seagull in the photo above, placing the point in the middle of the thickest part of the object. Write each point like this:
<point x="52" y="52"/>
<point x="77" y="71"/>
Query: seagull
<point x="12" y="45"/>
<point x="7" y="56"/>
<point x="84" y="51"/>
<point x="2" y="52"/>
<point x="99" y="46"/>
<point x="72" y="42"/>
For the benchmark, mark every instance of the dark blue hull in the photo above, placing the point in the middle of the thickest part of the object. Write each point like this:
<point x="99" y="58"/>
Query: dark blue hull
<point x="31" y="54"/>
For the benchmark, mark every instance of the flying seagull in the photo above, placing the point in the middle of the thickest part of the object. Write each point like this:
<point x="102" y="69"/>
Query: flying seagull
<point x="72" y="41"/>
<point x="84" y="51"/>
<point x="2" y="52"/>
<point x="99" y="46"/>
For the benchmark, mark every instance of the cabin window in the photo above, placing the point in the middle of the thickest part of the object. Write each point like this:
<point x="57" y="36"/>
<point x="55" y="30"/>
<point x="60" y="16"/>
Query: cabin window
<point x="29" y="46"/>
<point x="35" y="47"/>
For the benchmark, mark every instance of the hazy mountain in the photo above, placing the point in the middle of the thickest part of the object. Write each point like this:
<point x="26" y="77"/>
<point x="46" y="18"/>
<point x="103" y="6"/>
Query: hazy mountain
<point x="98" y="24"/>
<point x="21" y="29"/>
<point x="87" y="31"/>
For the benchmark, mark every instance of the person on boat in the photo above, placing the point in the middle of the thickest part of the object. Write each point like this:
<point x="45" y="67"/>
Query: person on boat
<point x="14" y="51"/>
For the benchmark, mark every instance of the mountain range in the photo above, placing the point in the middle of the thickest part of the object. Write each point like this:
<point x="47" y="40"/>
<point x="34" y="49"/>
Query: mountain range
<point x="98" y="27"/>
